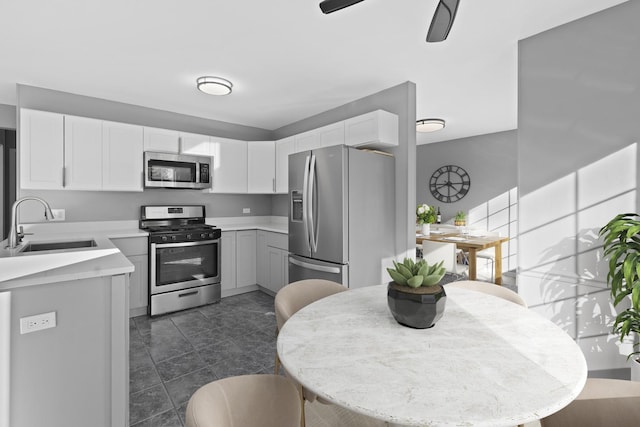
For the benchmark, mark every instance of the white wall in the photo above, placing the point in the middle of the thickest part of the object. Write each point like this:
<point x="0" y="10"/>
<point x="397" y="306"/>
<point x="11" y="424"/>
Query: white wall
<point x="578" y="129"/>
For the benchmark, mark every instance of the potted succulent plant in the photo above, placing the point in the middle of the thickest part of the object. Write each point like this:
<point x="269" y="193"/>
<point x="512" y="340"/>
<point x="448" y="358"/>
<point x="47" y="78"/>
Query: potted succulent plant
<point x="415" y="296"/>
<point x="622" y="246"/>
<point x="460" y="219"/>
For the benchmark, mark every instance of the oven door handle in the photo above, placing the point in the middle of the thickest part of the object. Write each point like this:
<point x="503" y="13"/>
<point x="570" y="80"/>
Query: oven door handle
<point x="155" y="246"/>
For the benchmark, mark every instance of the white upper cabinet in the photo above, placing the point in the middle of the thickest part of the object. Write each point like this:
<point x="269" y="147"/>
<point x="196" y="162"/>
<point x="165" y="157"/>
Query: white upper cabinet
<point x="307" y="141"/>
<point x="229" y="169"/>
<point x="376" y="129"/>
<point x="195" y="145"/>
<point x="41" y="149"/>
<point x="261" y="166"/>
<point x="332" y="134"/>
<point x="122" y="159"/>
<point x="164" y="140"/>
<point x="82" y="153"/>
<point x="284" y="147"/>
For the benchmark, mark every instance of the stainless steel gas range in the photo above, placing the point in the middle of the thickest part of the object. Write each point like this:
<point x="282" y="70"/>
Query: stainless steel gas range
<point x="184" y="258"/>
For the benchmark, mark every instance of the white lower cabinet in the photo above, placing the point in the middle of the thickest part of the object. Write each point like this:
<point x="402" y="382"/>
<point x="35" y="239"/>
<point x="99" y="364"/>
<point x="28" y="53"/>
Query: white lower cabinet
<point x="273" y="265"/>
<point x="245" y="258"/>
<point x="228" y="260"/>
<point x="238" y="259"/>
<point x="136" y="251"/>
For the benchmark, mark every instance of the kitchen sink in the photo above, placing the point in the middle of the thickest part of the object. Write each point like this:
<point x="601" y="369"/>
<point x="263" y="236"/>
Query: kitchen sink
<point x="56" y="246"/>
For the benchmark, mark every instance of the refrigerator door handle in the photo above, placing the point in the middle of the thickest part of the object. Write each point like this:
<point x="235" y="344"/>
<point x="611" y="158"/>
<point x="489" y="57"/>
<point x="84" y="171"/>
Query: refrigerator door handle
<point x="323" y="268"/>
<point x="312" y="225"/>
<point x="305" y="202"/>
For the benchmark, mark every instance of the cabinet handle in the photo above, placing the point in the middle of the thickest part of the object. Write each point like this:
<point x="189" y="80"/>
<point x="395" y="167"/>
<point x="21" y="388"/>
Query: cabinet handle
<point x="64" y="176"/>
<point x="273" y="182"/>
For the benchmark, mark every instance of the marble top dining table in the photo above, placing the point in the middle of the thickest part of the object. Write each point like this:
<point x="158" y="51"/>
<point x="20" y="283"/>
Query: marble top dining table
<point x="486" y="362"/>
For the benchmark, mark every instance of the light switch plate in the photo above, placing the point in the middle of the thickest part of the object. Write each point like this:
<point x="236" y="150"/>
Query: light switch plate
<point x="37" y="322"/>
<point x="246" y="210"/>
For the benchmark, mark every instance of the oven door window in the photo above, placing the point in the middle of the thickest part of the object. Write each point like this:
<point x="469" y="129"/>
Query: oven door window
<point x="177" y="264"/>
<point x="169" y="171"/>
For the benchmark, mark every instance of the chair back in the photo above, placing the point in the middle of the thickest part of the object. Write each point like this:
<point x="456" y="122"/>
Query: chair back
<point x="248" y="400"/>
<point x="297" y="295"/>
<point x="434" y="252"/>
<point x="490" y="288"/>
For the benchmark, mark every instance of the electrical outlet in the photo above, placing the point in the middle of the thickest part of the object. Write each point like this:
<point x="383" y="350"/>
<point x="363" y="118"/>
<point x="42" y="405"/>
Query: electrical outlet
<point x="37" y="322"/>
<point x="246" y="210"/>
<point x="58" y="214"/>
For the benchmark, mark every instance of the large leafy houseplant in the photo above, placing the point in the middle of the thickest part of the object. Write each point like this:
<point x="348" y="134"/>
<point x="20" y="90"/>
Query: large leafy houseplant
<point x="622" y="246"/>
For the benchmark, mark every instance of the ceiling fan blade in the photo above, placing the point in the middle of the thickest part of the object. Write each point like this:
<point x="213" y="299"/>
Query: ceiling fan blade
<point x="442" y="20"/>
<point x="328" y="6"/>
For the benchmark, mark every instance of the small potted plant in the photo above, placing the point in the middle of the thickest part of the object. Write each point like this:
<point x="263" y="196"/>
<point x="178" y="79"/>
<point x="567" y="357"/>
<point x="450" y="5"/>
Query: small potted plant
<point x="415" y="296"/>
<point x="425" y="216"/>
<point x="622" y="246"/>
<point x="460" y="219"/>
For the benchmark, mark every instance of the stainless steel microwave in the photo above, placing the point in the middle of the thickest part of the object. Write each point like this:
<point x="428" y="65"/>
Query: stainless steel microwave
<point x="166" y="170"/>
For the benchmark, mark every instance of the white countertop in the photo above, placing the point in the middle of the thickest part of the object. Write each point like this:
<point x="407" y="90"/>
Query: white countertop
<point x="486" y="362"/>
<point x="19" y="269"/>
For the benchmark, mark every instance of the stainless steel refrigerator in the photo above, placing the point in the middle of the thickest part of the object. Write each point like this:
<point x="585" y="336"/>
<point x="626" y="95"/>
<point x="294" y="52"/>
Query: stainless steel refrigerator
<point x="341" y="215"/>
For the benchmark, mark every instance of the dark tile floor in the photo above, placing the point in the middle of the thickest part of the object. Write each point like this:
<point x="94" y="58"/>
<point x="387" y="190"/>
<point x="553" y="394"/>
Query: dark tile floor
<point x="171" y="356"/>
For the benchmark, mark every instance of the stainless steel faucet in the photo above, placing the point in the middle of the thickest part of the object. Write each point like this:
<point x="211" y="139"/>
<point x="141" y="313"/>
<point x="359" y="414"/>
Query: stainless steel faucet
<point x="14" y="235"/>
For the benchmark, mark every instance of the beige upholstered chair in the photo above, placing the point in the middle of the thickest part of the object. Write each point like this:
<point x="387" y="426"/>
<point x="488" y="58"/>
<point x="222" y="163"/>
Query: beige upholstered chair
<point x="297" y="295"/>
<point x="292" y="298"/>
<point x="490" y="288"/>
<point x="602" y="402"/>
<point x="247" y="401"/>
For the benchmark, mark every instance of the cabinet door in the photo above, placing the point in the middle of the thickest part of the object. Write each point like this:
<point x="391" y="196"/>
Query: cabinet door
<point x="139" y="283"/>
<point x="276" y="273"/>
<point x="262" y="263"/>
<point x="284" y="147"/>
<point x="332" y="134"/>
<point x="122" y="157"/>
<point x="82" y="153"/>
<point x="161" y="140"/>
<point x="228" y="260"/>
<point x="229" y="165"/>
<point x="378" y="128"/>
<point x="307" y="141"/>
<point x="261" y="164"/>
<point x="41" y="149"/>
<point x="246" y="258"/>
<point x="196" y="145"/>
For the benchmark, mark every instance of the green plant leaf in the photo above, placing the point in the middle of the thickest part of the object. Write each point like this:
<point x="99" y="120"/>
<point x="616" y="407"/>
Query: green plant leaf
<point x="404" y="271"/>
<point x="415" y="281"/>
<point x="431" y="280"/>
<point x="397" y="277"/>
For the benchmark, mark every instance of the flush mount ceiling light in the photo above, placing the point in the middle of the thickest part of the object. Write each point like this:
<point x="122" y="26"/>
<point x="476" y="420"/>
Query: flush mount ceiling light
<point x="214" y="85"/>
<point x="429" y="125"/>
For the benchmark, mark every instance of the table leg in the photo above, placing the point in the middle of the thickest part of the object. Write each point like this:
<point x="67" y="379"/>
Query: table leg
<point x="497" y="264"/>
<point x="472" y="264"/>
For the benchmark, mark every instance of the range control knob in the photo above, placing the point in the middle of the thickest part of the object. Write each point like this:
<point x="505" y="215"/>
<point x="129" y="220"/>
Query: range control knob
<point x="164" y="238"/>
<point x="173" y="237"/>
<point x="188" y="236"/>
<point x="211" y="235"/>
<point x="203" y="235"/>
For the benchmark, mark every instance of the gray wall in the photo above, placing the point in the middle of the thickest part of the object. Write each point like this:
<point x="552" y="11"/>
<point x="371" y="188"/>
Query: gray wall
<point x="7" y="116"/>
<point x="578" y="129"/>
<point x="400" y="100"/>
<point x="490" y="160"/>
<point x="106" y="206"/>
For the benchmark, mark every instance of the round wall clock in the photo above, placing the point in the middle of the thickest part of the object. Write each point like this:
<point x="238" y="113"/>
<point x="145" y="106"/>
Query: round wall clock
<point x="449" y="183"/>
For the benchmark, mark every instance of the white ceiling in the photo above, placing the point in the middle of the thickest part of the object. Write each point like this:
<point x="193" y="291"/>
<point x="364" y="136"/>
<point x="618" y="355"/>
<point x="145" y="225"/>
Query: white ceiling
<point x="286" y="59"/>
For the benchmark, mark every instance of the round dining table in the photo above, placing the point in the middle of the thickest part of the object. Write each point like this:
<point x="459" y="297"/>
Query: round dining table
<point x="486" y="362"/>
